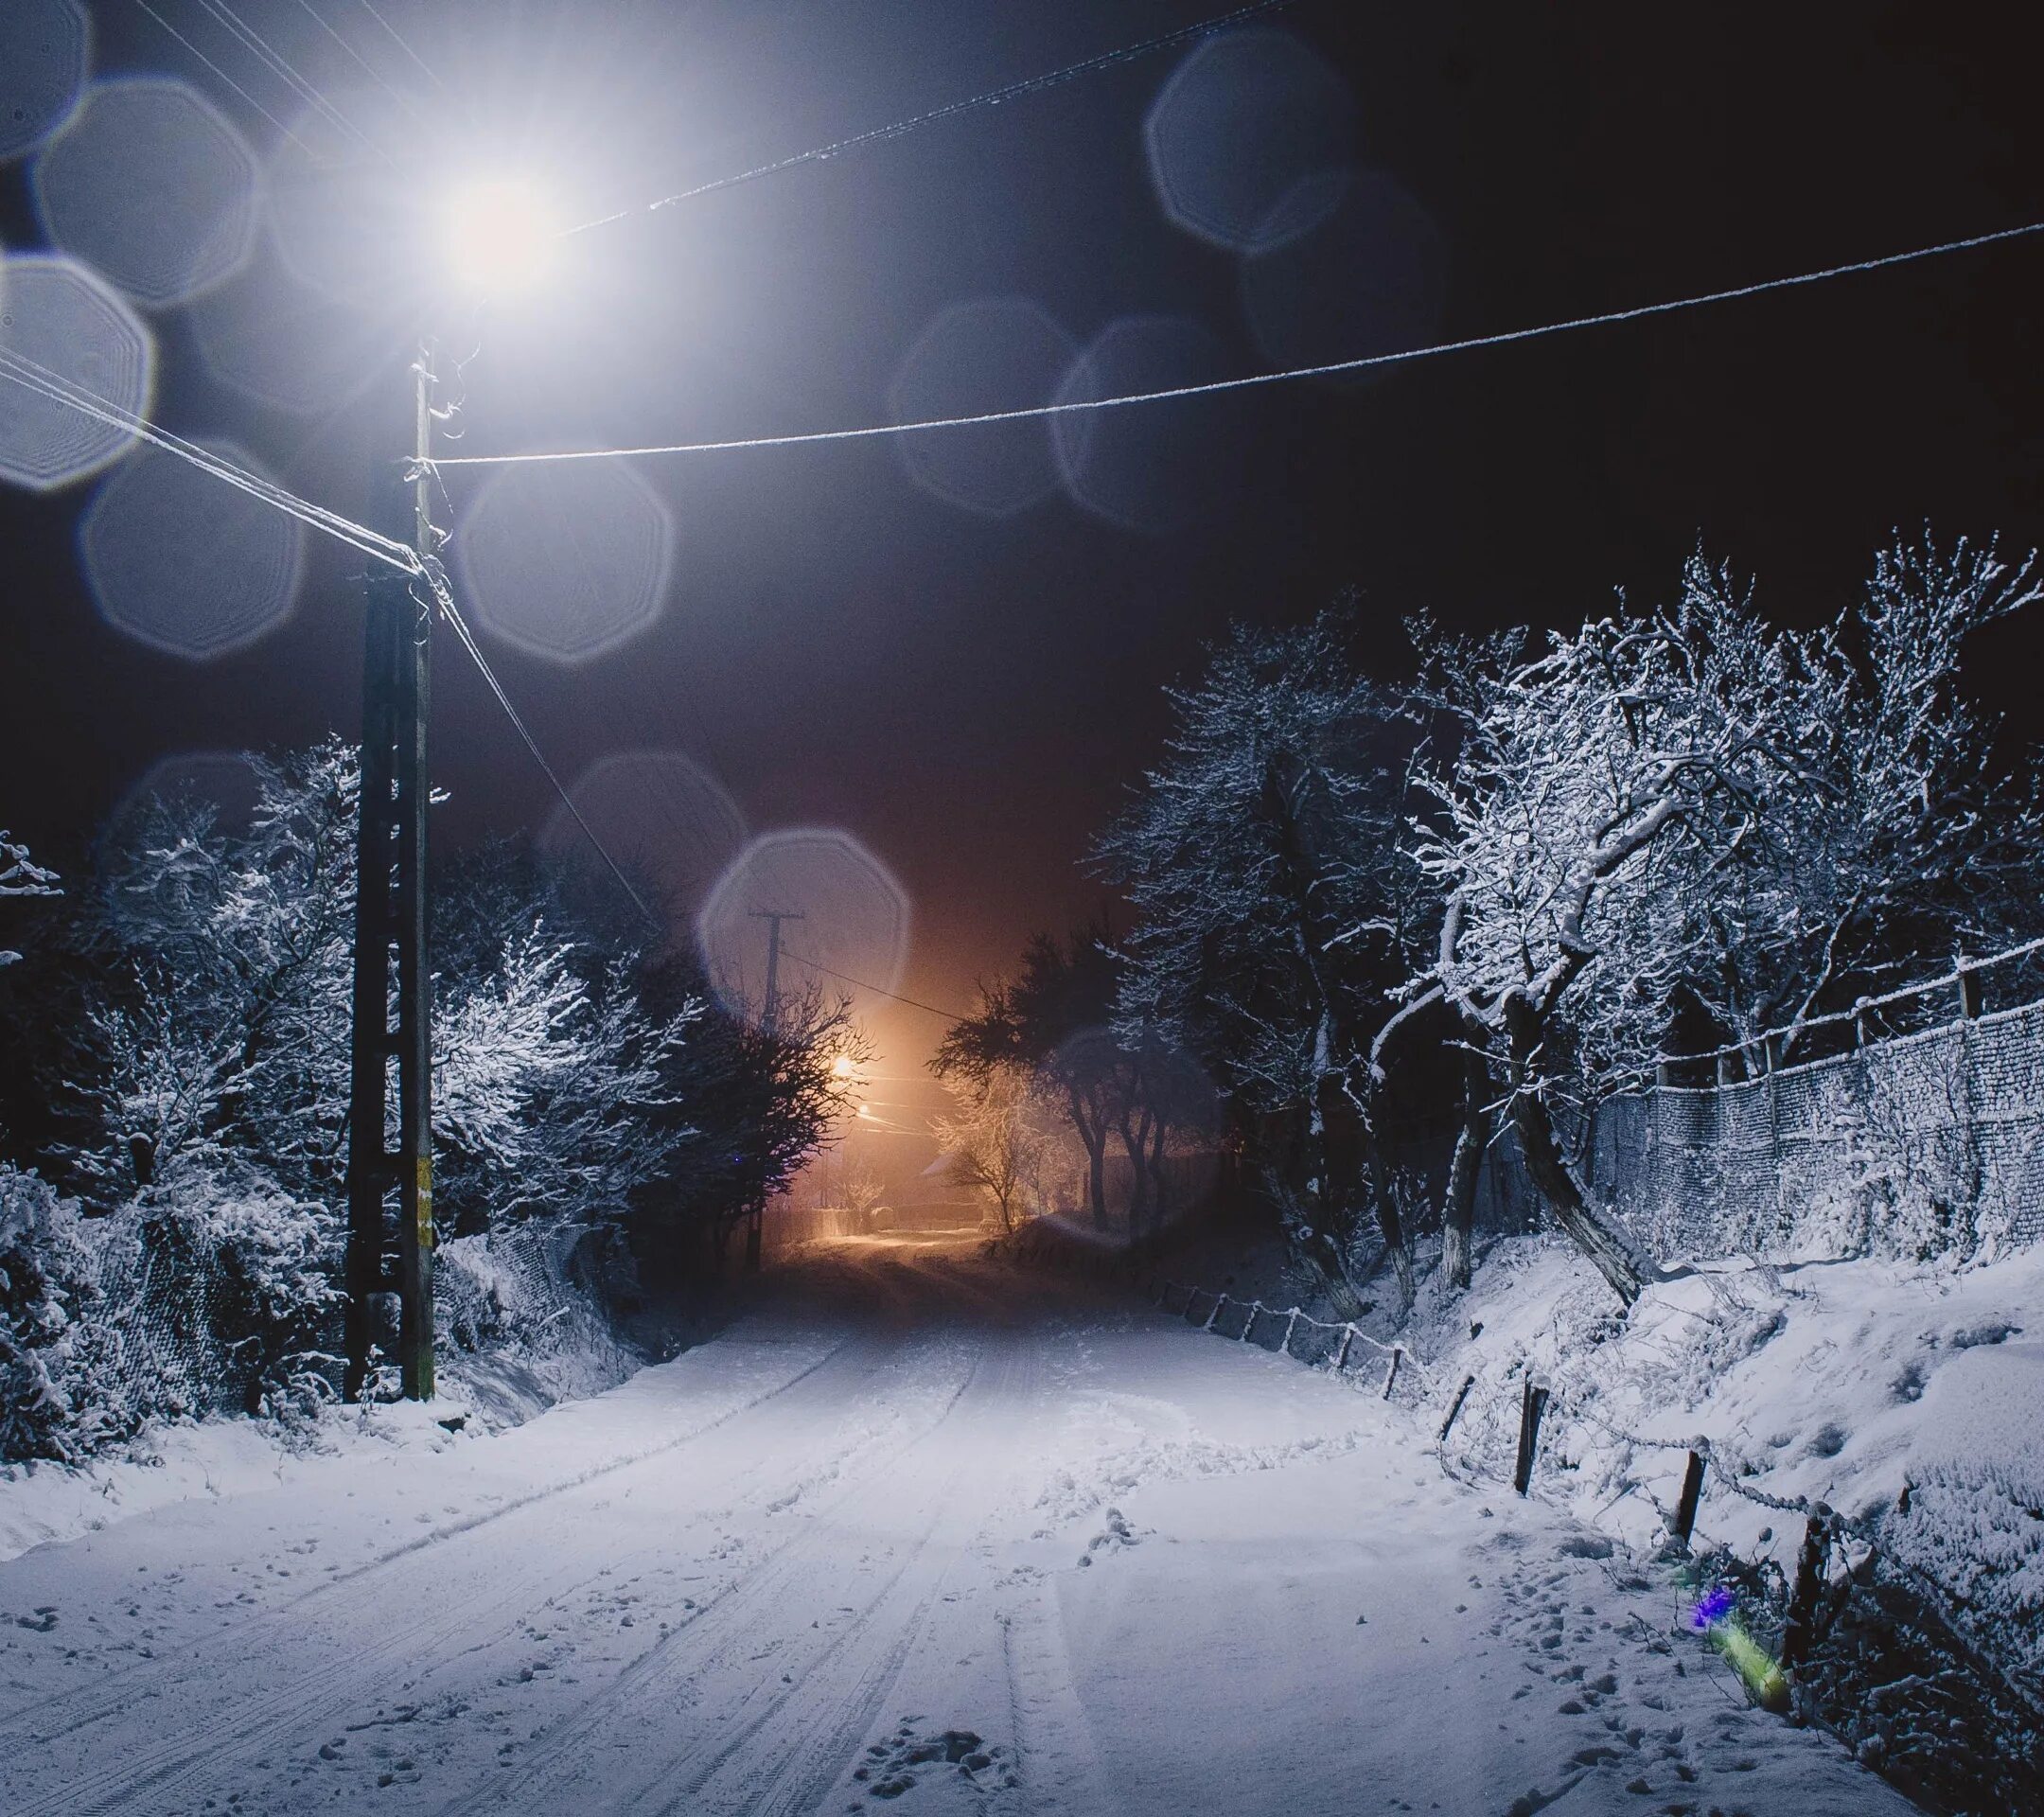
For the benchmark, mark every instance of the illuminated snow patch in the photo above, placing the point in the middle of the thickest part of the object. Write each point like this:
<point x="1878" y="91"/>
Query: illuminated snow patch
<point x="187" y="564"/>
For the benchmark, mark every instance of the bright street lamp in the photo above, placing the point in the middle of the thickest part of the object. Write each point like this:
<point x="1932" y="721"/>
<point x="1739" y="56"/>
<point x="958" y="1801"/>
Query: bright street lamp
<point x="502" y="232"/>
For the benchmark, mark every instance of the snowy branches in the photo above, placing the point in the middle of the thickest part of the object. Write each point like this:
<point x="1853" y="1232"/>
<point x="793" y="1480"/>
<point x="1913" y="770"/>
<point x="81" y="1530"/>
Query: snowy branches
<point x="20" y="876"/>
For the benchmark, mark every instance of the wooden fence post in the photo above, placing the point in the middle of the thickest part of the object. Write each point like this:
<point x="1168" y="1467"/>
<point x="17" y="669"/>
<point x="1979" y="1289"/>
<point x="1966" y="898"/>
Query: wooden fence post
<point x="1808" y="1585"/>
<point x="1969" y="992"/>
<point x="1398" y="1356"/>
<point x="1249" y="1323"/>
<point x="1291" y="1325"/>
<point x="1341" y="1356"/>
<point x="1220" y="1301"/>
<point x="1532" y="1404"/>
<point x="1686" y="1508"/>
<point x="1468" y="1382"/>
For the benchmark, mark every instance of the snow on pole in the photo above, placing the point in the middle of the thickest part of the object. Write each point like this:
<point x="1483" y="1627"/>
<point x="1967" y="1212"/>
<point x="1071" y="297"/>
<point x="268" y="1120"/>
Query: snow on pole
<point x="1398" y="1356"/>
<point x="1468" y="1382"/>
<point x="1220" y="1301"/>
<point x="1291" y="1325"/>
<point x="1341" y="1356"/>
<point x="1249" y="1323"/>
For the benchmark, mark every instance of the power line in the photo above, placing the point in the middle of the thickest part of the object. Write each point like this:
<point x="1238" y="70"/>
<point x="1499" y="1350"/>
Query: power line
<point x="374" y="74"/>
<point x="33" y="376"/>
<point x="845" y="979"/>
<point x="398" y="38"/>
<point x="989" y="98"/>
<point x="224" y="76"/>
<point x="436" y="578"/>
<point x="1214" y="387"/>
<point x="280" y="67"/>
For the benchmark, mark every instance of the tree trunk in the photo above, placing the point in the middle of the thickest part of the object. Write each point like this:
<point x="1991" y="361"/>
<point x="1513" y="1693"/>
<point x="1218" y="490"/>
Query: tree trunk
<point x="1458" y="1208"/>
<point x="1096" y="1179"/>
<point x="1608" y="1248"/>
<point x="1350" y="1155"/>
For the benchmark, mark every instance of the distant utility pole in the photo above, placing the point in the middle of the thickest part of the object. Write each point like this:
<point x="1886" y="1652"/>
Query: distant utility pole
<point x="771" y="1021"/>
<point x="390" y="935"/>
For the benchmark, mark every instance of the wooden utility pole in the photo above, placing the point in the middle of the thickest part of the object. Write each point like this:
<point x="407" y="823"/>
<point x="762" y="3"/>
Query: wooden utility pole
<point x="770" y="1022"/>
<point x="387" y="1254"/>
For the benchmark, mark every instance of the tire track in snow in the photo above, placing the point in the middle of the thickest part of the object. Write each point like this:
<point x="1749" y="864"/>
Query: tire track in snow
<point x="361" y="1673"/>
<point x="120" y="1690"/>
<point x="648" y="1691"/>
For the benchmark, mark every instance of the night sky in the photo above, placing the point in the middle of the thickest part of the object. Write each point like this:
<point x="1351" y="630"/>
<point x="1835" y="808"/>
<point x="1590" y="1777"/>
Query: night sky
<point x="972" y="695"/>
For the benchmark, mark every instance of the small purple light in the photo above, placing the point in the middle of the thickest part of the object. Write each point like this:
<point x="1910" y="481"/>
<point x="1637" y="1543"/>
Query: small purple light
<point x="1712" y="1608"/>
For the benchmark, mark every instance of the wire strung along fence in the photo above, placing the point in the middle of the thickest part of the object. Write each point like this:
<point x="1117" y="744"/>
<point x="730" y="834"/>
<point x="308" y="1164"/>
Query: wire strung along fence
<point x="1910" y="1125"/>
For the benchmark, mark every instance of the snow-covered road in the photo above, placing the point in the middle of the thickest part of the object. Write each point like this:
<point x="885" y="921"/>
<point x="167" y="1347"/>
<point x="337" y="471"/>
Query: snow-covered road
<point x="919" y="1532"/>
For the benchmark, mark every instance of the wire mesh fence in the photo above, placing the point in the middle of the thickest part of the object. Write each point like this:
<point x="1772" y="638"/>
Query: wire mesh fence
<point x="1919" y="1132"/>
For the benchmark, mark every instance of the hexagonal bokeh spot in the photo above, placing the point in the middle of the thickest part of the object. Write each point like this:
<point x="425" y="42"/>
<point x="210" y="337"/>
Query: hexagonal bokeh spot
<point x="185" y="564"/>
<point x="1237" y="127"/>
<point x="275" y="340"/>
<point x="153" y="186"/>
<point x="1370" y="279"/>
<point x="223" y="784"/>
<point x="992" y="354"/>
<point x="57" y="317"/>
<point x="853" y="922"/>
<point x="1148" y="467"/>
<point x="566" y="560"/>
<point x="661" y="815"/>
<point x="44" y="45"/>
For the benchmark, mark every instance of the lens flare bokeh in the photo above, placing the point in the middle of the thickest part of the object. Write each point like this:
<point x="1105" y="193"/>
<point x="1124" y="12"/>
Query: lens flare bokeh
<point x="1369" y="278"/>
<point x="57" y="314"/>
<point x="853" y="922"/>
<point x="186" y="565"/>
<point x="1238" y="128"/>
<point x="152" y="186"/>
<point x="43" y="48"/>
<point x="661" y="815"/>
<point x="1150" y="468"/>
<point x="567" y="561"/>
<point x="991" y="354"/>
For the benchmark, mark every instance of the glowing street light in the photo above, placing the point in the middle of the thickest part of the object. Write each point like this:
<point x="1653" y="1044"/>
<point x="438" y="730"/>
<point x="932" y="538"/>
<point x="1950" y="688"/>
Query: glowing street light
<point x="842" y="1067"/>
<point x="503" y="233"/>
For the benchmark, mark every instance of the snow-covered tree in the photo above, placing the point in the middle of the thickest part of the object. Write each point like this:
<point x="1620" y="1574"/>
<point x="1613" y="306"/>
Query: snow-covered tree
<point x="1914" y="839"/>
<point x="994" y="1141"/>
<point x="1277" y="916"/>
<point x="1601" y="789"/>
<point x="20" y="876"/>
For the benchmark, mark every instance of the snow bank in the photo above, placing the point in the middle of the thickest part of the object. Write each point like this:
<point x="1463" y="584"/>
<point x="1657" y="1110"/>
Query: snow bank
<point x="1908" y="1398"/>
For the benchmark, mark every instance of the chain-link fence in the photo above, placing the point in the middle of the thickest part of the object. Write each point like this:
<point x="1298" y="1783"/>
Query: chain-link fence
<point x="1916" y="1144"/>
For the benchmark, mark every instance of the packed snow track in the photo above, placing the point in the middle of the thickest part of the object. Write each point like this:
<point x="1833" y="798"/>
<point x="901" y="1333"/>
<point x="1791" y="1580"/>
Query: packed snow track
<point x="920" y="1532"/>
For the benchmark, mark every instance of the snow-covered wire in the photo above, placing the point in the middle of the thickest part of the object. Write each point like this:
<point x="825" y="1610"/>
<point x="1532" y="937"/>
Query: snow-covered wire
<point x="32" y="376"/>
<point x="1215" y="388"/>
<point x="988" y="97"/>
<point x="224" y="76"/>
<point x="280" y="65"/>
<point x="374" y="74"/>
<point x="402" y="44"/>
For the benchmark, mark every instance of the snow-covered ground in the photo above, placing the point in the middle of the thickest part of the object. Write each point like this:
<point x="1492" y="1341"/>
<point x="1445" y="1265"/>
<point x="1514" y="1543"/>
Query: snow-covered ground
<point x="920" y="1532"/>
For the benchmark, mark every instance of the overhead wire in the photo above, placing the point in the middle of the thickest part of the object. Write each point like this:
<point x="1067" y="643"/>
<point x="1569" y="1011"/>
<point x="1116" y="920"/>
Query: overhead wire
<point x="369" y="68"/>
<point x="1214" y="387"/>
<point x="398" y="38"/>
<point x="33" y="376"/>
<point x="280" y="67"/>
<point x="216" y="70"/>
<point x="860" y="983"/>
<point x="988" y="97"/>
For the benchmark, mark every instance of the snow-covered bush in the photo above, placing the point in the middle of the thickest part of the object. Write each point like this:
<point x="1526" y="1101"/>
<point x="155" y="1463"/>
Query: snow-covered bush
<point x="20" y="876"/>
<point x="45" y="1283"/>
